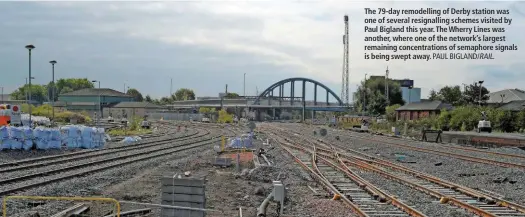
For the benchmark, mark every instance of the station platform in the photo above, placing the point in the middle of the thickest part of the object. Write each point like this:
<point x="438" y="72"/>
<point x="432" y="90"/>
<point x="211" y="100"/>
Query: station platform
<point x="484" y="139"/>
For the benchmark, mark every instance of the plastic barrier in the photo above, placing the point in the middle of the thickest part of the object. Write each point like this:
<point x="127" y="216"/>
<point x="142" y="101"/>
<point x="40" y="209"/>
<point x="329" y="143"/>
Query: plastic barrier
<point x="129" y="140"/>
<point x="71" y="137"/>
<point x="39" y="120"/>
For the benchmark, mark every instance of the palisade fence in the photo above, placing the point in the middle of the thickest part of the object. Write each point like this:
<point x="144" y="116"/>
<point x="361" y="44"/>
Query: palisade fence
<point x="175" y="116"/>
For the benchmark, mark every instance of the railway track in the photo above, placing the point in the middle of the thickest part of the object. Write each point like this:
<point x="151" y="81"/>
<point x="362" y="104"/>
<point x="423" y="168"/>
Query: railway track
<point x="58" y="172"/>
<point x="445" y="153"/>
<point x="479" y="203"/>
<point x="362" y="197"/>
<point x="476" y="202"/>
<point x="456" y="147"/>
<point x="437" y="152"/>
<point x="36" y="162"/>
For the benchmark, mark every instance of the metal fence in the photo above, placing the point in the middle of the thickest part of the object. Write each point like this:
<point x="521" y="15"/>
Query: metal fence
<point x="175" y="116"/>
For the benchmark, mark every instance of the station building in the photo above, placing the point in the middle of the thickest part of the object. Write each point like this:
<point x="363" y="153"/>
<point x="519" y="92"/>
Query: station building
<point x="88" y="100"/>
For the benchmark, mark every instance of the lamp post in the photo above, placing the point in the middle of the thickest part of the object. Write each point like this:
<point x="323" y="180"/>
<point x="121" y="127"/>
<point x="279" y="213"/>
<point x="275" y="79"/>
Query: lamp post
<point x="364" y="96"/>
<point x="99" y="102"/>
<point x="30" y="47"/>
<point x="27" y="95"/>
<point x="244" y="94"/>
<point x="480" y="83"/>
<point x="53" y="62"/>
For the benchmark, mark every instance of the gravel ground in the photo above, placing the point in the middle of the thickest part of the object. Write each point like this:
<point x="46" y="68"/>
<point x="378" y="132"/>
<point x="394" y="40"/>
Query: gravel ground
<point x="13" y="155"/>
<point x="83" y="169"/>
<point x="439" y="147"/>
<point x="470" y="174"/>
<point x="110" y="154"/>
<point x="94" y="184"/>
<point x="420" y="201"/>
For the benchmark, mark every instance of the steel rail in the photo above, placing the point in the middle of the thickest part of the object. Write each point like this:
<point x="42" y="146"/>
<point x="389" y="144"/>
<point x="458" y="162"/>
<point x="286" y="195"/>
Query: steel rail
<point x="187" y="146"/>
<point x="367" y="186"/>
<point x="369" y="164"/>
<point x="31" y="160"/>
<point x="448" y="154"/>
<point x="74" y="167"/>
<point x="322" y="181"/>
<point x="116" y="150"/>
<point x="463" y="189"/>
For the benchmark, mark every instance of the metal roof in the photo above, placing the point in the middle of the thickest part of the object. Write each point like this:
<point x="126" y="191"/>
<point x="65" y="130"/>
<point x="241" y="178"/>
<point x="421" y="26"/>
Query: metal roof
<point x="510" y="95"/>
<point x="136" y="105"/>
<point x="96" y="92"/>
<point x="516" y="105"/>
<point x="424" y="106"/>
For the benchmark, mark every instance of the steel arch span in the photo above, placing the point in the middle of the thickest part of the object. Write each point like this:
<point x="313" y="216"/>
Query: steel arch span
<point x="280" y="86"/>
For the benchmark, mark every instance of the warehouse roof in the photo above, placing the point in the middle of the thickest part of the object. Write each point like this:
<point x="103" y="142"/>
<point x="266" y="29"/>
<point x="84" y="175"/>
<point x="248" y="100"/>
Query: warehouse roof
<point x="136" y="105"/>
<point x="425" y="106"/>
<point x="505" y="96"/>
<point x="516" y="105"/>
<point x="96" y="92"/>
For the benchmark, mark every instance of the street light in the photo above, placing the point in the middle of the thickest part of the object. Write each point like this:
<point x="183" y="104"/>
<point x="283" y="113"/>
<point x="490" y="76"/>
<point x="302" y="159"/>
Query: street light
<point x="27" y="95"/>
<point x="480" y="83"/>
<point x="53" y="62"/>
<point x="244" y="94"/>
<point x="364" y="96"/>
<point x="30" y="47"/>
<point x="99" y="102"/>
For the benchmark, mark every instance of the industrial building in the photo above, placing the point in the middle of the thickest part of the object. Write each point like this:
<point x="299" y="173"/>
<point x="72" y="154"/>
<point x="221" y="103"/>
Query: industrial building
<point x="130" y="109"/>
<point x="409" y="93"/>
<point x="88" y="99"/>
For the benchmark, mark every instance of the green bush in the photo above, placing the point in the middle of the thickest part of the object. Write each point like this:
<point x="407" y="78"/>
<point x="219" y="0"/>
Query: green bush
<point x="224" y="117"/>
<point x="463" y="118"/>
<point x="65" y="116"/>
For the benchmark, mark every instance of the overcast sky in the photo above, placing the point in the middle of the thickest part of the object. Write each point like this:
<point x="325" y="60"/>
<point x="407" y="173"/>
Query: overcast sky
<point x="207" y="44"/>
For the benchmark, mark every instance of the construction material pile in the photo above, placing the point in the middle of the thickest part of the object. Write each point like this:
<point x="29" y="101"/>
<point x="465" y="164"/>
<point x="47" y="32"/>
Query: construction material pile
<point x="71" y="137"/>
<point x="38" y="120"/>
<point x="245" y="141"/>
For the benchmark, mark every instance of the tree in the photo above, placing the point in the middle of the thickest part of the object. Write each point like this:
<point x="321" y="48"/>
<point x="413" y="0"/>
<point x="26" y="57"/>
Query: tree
<point x="137" y="96"/>
<point x="183" y="94"/>
<point x="375" y="97"/>
<point x="148" y="99"/>
<point x="448" y="94"/>
<point x="165" y="100"/>
<point x="391" y="112"/>
<point x="231" y="95"/>
<point x="433" y="95"/>
<point x="38" y="93"/>
<point x="472" y="93"/>
<point x="66" y="85"/>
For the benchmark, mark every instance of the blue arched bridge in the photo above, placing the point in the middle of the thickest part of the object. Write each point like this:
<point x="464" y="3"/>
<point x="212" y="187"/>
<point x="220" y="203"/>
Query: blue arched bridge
<point x="281" y="95"/>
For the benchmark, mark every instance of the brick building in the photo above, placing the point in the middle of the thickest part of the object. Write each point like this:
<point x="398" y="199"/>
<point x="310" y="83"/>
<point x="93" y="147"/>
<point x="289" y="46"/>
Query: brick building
<point x="417" y="110"/>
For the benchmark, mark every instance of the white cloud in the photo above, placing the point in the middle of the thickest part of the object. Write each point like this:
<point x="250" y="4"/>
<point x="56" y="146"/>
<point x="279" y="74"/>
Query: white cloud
<point x="304" y="35"/>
